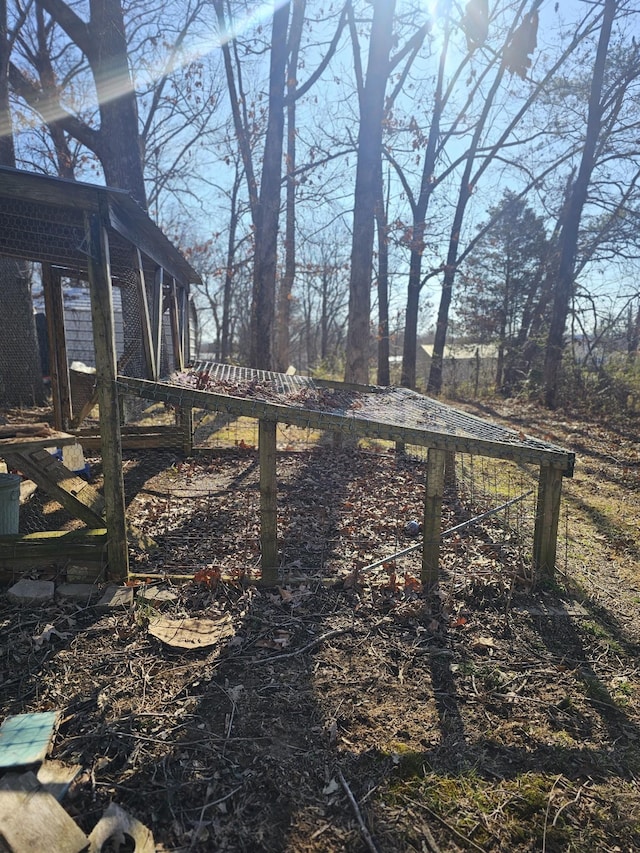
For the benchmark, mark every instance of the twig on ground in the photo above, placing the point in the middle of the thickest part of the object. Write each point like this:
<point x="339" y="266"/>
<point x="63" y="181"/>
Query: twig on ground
<point x="546" y="815"/>
<point x="315" y="642"/>
<point x="431" y="842"/>
<point x="452" y="830"/>
<point x="366" y="835"/>
<point x="194" y="837"/>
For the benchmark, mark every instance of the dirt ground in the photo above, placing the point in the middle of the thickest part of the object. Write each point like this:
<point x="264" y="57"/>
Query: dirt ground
<point x="348" y="711"/>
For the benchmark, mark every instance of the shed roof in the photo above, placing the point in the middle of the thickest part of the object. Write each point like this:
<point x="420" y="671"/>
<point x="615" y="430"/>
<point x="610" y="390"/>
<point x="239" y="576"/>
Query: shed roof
<point x="42" y="219"/>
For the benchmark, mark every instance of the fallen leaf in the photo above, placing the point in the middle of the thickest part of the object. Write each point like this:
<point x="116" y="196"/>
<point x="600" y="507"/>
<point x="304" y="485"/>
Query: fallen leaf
<point x="331" y="787"/>
<point x="483" y="644"/>
<point x="192" y="633"/>
<point x="285" y="594"/>
<point x="46" y="634"/>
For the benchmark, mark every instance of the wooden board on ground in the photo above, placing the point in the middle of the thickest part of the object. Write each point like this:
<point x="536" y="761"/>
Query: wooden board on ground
<point x="33" y="821"/>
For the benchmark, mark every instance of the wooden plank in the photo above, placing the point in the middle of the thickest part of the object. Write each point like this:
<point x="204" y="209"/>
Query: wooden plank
<point x="74" y="493"/>
<point x="268" y="502"/>
<point x="172" y="437"/>
<point x="49" y="280"/>
<point x="145" y="319"/>
<point x="434" y="491"/>
<point x="33" y="821"/>
<point x="105" y="348"/>
<point x="126" y="429"/>
<point x="86" y="410"/>
<point x="28" y="186"/>
<point x="545" y="535"/>
<point x="156" y="318"/>
<point x="174" y="317"/>
<point x="13" y="430"/>
<point x="28" y="443"/>
<point x="48" y="543"/>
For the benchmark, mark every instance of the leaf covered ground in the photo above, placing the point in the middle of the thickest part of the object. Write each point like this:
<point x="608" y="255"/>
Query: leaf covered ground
<point x="349" y="711"/>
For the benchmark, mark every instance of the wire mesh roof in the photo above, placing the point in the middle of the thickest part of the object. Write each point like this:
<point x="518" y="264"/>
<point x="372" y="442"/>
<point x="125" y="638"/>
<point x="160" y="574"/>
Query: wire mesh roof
<point x="392" y="413"/>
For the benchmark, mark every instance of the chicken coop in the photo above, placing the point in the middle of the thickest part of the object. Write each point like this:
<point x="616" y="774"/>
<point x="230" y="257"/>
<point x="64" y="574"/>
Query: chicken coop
<point x="57" y="235"/>
<point x="82" y="236"/>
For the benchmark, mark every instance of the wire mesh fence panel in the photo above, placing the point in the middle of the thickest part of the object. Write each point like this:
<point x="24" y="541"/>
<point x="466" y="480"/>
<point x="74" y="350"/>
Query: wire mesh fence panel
<point x="340" y="510"/>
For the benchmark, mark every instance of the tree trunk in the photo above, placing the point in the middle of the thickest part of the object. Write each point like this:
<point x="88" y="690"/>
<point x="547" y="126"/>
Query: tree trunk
<point x="427" y="184"/>
<point x="366" y="191"/>
<point x="20" y="373"/>
<point x="572" y="215"/>
<point x="225" y="332"/>
<point x="282" y="354"/>
<point x="109" y="59"/>
<point x="268" y="213"/>
<point x="383" y="377"/>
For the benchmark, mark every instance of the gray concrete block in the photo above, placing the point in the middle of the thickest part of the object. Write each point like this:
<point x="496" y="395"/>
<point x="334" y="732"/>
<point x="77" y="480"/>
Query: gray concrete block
<point x="116" y="597"/>
<point x="31" y="592"/>
<point x="83" y="593"/>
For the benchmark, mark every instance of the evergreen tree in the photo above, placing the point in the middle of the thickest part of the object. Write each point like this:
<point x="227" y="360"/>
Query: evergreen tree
<point x="502" y="279"/>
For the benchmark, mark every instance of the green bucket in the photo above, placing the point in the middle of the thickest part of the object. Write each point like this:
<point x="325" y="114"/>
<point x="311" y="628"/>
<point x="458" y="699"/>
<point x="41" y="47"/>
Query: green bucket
<point x="9" y="504"/>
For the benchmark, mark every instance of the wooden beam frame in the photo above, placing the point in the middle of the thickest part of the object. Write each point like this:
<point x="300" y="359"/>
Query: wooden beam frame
<point x="433" y="495"/>
<point x="145" y="318"/>
<point x="58" y="364"/>
<point x="545" y="535"/>
<point x="175" y="318"/>
<point x="554" y="463"/>
<point x="100" y="287"/>
<point x="157" y="307"/>
<point x="268" y="502"/>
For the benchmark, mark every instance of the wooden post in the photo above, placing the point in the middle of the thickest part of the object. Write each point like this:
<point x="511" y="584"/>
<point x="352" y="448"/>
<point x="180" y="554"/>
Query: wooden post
<point x="432" y="516"/>
<point x="545" y="535"/>
<point x="174" y="317"/>
<point x="185" y="323"/>
<point x="58" y="366"/>
<point x="268" y="502"/>
<point x="156" y="319"/>
<point x="106" y="372"/>
<point x="145" y="319"/>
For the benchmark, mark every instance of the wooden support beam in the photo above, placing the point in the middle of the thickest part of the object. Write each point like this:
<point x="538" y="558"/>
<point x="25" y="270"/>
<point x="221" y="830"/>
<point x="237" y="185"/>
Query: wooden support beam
<point x="545" y="536"/>
<point x="52" y="546"/>
<point x="58" y="364"/>
<point x="76" y="495"/>
<point x="157" y="307"/>
<point x="105" y="348"/>
<point x="176" y="337"/>
<point x="268" y="502"/>
<point x="185" y="323"/>
<point x="145" y="319"/>
<point x="434" y="491"/>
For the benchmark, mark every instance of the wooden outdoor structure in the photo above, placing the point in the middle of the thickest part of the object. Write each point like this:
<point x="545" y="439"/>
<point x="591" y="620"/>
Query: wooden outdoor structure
<point x="101" y="236"/>
<point x="393" y="414"/>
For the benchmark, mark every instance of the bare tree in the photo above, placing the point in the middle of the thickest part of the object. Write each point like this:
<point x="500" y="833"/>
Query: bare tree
<point x="605" y="100"/>
<point x="372" y="90"/>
